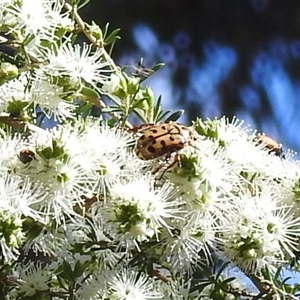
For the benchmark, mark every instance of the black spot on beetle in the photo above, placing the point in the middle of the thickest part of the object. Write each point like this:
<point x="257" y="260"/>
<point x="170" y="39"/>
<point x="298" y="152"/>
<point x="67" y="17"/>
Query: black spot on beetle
<point x="151" y="149"/>
<point x="163" y="143"/>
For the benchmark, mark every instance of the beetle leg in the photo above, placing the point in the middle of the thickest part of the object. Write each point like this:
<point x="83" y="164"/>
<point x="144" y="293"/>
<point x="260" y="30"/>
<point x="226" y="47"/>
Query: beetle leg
<point x="168" y="166"/>
<point x="138" y="128"/>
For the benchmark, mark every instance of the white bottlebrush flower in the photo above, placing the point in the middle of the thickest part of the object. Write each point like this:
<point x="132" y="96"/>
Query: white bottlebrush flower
<point x="181" y="249"/>
<point x="126" y="284"/>
<point x="44" y="18"/>
<point x="108" y="169"/>
<point x="11" y="236"/>
<point x="33" y="278"/>
<point x="48" y="242"/>
<point x="261" y="232"/>
<point x="228" y="131"/>
<point x="238" y="143"/>
<point x="245" y="155"/>
<point x="206" y="165"/>
<point x="77" y="63"/>
<point x="205" y="178"/>
<point x="97" y="236"/>
<point x="68" y="137"/>
<point x="287" y="186"/>
<point x="111" y="157"/>
<point x="236" y="140"/>
<point x="6" y="18"/>
<point x="13" y="90"/>
<point x="140" y="209"/>
<point x="50" y="99"/>
<point x="64" y="182"/>
<point x="18" y="195"/>
<point x="10" y="147"/>
<point x="61" y="166"/>
<point x="132" y="285"/>
<point x="282" y="226"/>
<point x="178" y="289"/>
<point x="216" y="170"/>
<point x="95" y="287"/>
<point x="106" y="139"/>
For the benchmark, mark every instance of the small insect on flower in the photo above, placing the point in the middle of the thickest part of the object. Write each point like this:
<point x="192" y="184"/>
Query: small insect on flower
<point x="163" y="140"/>
<point x="271" y="145"/>
<point x="26" y="156"/>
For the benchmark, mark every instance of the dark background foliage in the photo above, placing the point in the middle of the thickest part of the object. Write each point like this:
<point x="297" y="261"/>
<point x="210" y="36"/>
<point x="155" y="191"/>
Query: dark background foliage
<point x="232" y="57"/>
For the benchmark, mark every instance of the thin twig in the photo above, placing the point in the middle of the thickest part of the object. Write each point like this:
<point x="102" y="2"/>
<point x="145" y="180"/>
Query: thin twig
<point x="87" y="33"/>
<point x="243" y="293"/>
<point x="100" y="104"/>
<point x="267" y="287"/>
<point x="16" y="46"/>
<point x="276" y="289"/>
<point x="257" y="282"/>
<point x="97" y="102"/>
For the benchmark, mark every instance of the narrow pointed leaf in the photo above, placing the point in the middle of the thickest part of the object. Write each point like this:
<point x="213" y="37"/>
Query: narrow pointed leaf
<point x="175" y="116"/>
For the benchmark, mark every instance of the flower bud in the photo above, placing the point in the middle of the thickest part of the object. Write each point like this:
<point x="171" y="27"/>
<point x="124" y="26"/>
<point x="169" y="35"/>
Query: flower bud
<point x="8" y="71"/>
<point x="133" y="84"/>
<point x="95" y="31"/>
<point x="112" y="85"/>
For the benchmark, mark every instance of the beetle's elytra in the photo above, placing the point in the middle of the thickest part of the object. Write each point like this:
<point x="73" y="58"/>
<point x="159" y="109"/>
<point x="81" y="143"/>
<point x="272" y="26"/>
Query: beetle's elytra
<point x="163" y="139"/>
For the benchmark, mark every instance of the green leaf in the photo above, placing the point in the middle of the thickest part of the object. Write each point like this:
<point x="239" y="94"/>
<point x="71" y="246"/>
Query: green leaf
<point x="266" y="273"/>
<point x="140" y="116"/>
<point x="157" y="108"/>
<point x="285" y="280"/>
<point x="28" y="39"/>
<point x="66" y="271"/>
<point x="105" y="29"/>
<point x="110" y="109"/>
<point x="202" y="285"/>
<point x="84" y="109"/>
<point x="111" y="122"/>
<point x="89" y="93"/>
<point x="16" y="107"/>
<point x="139" y="103"/>
<point x="111" y="48"/>
<point x="84" y="3"/>
<point x="277" y="274"/>
<point x="79" y="268"/>
<point x="227" y="280"/>
<point x="253" y="177"/>
<point x="161" y="115"/>
<point x="112" y="37"/>
<point x="175" y="116"/>
<point x="222" y="268"/>
<point x="158" y="66"/>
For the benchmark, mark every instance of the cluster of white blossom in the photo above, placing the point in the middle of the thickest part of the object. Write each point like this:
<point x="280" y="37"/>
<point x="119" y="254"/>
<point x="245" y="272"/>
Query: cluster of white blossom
<point x="242" y="199"/>
<point x="78" y="194"/>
